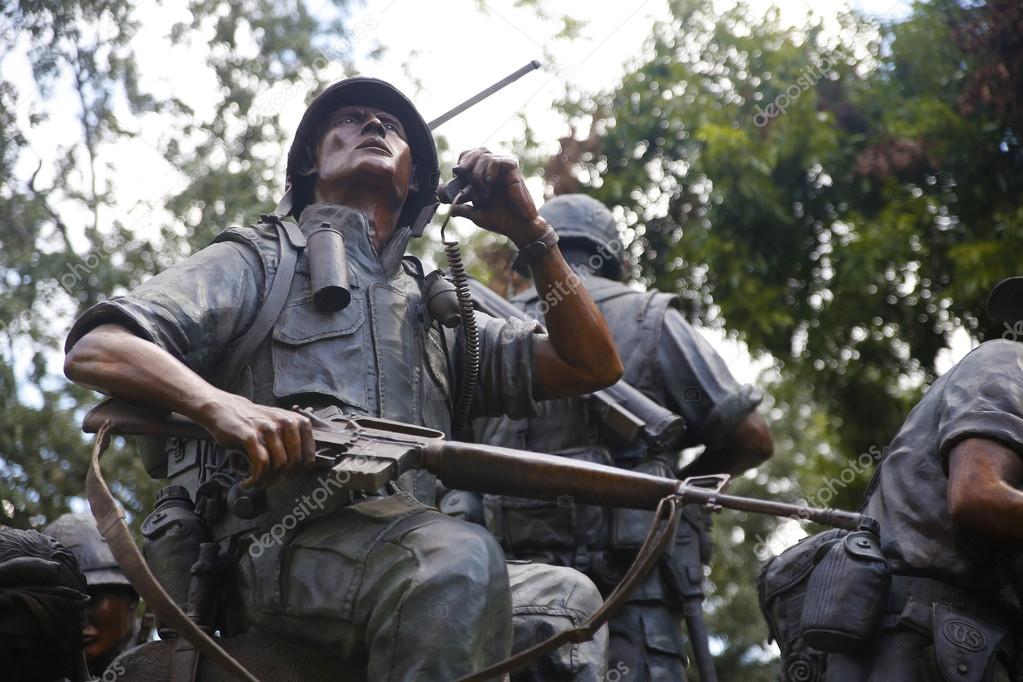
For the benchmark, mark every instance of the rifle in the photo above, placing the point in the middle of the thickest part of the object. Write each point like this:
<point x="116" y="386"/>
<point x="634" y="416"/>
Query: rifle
<point x="366" y="453"/>
<point x="622" y="408"/>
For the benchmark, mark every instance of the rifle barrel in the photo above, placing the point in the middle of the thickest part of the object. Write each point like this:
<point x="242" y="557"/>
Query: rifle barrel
<point x="836" y="518"/>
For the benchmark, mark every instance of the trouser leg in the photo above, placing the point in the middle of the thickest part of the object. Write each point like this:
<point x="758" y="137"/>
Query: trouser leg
<point x="389" y="584"/>
<point x="647" y="643"/>
<point x="547" y="600"/>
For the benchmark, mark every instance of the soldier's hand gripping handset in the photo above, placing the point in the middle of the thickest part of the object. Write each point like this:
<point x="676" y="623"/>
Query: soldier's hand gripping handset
<point x="580" y="343"/>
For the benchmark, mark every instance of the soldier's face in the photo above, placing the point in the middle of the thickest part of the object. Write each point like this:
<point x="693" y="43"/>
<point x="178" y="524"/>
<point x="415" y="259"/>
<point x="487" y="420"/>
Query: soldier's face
<point x="363" y="145"/>
<point x="109" y="620"/>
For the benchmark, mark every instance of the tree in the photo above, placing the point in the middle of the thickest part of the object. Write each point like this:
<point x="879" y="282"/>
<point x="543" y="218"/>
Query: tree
<point x="842" y="199"/>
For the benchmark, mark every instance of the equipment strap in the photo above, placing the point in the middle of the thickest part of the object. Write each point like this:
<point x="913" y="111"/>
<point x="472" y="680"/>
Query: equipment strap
<point x="184" y="665"/>
<point x="290" y="240"/>
<point x="110" y="520"/>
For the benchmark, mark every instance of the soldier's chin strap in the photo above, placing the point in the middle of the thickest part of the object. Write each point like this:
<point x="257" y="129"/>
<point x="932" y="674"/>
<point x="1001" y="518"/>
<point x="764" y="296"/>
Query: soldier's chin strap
<point x="110" y="519"/>
<point x="662" y="532"/>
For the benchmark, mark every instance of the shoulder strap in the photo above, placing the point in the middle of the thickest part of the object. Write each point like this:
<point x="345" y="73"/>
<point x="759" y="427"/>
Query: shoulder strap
<point x="648" y="318"/>
<point x="290" y="241"/>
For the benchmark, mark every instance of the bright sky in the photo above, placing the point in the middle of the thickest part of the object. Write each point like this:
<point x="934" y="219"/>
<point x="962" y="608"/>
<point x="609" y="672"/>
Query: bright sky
<point x="438" y="53"/>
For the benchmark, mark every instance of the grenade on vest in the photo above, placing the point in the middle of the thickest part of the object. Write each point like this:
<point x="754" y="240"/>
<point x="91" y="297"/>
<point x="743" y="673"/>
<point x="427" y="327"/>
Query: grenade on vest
<point x="442" y="299"/>
<point x="328" y="269"/>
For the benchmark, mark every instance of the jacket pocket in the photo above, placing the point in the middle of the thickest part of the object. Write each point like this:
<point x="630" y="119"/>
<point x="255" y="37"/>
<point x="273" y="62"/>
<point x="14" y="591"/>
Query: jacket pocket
<point x="324" y="354"/>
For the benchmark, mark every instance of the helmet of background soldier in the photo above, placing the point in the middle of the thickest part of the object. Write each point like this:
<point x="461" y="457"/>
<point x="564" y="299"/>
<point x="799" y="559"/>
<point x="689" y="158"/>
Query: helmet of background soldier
<point x="78" y="532"/>
<point x="421" y="203"/>
<point x="42" y="608"/>
<point x="581" y="220"/>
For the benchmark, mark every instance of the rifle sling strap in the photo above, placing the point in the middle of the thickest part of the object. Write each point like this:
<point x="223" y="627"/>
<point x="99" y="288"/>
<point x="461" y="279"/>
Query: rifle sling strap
<point x="110" y="519"/>
<point x="660" y="535"/>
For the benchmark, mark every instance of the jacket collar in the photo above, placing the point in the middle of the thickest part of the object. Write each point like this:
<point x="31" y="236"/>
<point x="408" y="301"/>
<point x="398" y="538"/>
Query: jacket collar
<point x="355" y="227"/>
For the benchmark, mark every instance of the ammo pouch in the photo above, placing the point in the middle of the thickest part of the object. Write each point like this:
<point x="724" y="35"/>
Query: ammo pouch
<point x="846" y="594"/>
<point x="172" y="534"/>
<point x="629" y="527"/>
<point x="682" y="567"/>
<point x="964" y="649"/>
<point x="782" y="587"/>
<point x="529" y="527"/>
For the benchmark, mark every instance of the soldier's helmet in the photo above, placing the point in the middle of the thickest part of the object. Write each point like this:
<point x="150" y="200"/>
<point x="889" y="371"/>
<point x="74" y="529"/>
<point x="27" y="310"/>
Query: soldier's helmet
<point x="78" y="532"/>
<point x="582" y="220"/>
<point x="372" y="92"/>
<point x="42" y="608"/>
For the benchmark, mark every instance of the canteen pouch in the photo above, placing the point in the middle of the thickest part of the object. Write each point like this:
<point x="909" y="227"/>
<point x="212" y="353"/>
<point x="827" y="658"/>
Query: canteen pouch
<point x="781" y="589"/>
<point x="846" y="594"/>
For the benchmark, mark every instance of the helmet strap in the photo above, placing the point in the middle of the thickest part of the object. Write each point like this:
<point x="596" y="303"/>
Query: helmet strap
<point x="423" y="219"/>
<point x="285" y="204"/>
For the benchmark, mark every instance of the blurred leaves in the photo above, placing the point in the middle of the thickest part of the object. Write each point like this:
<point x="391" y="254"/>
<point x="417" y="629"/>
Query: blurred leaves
<point x="839" y="199"/>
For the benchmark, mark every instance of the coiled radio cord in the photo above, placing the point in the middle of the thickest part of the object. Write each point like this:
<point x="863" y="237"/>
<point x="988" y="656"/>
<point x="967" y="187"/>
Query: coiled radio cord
<point x="471" y="333"/>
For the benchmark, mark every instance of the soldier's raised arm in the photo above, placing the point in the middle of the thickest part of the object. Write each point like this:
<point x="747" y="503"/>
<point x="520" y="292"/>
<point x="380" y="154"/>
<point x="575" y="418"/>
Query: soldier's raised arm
<point x="579" y="355"/>
<point x="983" y="488"/>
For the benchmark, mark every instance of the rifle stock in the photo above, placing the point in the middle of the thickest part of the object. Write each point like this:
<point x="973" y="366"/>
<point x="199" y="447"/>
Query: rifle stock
<point x="133" y="420"/>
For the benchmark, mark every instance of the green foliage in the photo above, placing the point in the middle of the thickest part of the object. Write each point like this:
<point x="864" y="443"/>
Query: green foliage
<point x="833" y="199"/>
<point x="43" y="277"/>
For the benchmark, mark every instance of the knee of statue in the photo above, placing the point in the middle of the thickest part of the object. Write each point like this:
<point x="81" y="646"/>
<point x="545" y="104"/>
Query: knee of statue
<point x="474" y="555"/>
<point x="582" y="594"/>
<point x="545" y="586"/>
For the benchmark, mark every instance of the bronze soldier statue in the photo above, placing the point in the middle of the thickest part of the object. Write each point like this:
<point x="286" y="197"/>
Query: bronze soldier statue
<point x="671" y="364"/>
<point x="267" y="317"/>
<point x="42" y="609"/>
<point x="933" y="592"/>
<point x="111" y="625"/>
